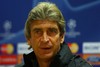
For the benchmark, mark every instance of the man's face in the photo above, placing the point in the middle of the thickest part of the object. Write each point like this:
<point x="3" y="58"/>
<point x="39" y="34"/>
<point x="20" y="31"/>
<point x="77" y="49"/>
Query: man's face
<point x="45" y="38"/>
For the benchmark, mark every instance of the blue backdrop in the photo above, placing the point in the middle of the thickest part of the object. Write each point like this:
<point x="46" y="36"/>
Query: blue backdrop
<point x="82" y="23"/>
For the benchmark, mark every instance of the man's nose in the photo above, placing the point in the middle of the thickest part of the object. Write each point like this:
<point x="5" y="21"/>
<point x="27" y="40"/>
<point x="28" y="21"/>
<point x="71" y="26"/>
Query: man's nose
<point x="45" y="37"/>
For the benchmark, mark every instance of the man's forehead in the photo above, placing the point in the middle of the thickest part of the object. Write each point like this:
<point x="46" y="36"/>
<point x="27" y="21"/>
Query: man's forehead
<point x="43" y="23"/>
<point x="44" y="27"/>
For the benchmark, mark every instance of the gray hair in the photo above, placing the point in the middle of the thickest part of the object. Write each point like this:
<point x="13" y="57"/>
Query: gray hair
<point x="48" y="11"/>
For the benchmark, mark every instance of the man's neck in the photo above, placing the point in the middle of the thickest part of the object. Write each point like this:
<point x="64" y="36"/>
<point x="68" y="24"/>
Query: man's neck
<point x="44" y="63"/>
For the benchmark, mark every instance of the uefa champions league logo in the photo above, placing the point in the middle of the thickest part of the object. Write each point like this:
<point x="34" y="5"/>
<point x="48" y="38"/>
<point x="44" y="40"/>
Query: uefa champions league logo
<point x="71" y="25"/>
<point x="7" y="26"/>
<point x="71" y="33"/>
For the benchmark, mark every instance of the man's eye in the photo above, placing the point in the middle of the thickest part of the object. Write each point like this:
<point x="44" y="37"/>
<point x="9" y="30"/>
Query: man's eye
<point x="52" y="32"/>
<point x="37" y="32"/>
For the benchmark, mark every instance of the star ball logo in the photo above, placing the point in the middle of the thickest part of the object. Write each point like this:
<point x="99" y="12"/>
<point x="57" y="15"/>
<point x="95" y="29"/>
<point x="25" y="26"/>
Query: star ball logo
<point x="6" y="48"/>
<point x="71" y="32"/>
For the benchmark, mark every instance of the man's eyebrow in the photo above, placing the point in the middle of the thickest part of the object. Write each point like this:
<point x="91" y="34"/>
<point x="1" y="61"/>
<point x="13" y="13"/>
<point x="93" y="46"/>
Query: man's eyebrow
<point x="34" y="29"/>
<point x="55" y="28"/>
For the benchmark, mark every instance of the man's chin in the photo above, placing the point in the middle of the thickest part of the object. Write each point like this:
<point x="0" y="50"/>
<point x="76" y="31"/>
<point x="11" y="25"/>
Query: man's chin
<point x="46" y="56"/>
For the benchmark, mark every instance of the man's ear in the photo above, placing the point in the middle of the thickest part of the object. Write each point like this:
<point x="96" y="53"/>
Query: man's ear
<point x="29" y="42"/>
<point x="62" y="37"/>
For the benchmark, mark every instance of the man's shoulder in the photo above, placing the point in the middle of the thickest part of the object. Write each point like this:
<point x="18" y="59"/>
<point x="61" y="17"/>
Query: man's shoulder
<point x="78" y="61"/>
<point x="27" y="60"/>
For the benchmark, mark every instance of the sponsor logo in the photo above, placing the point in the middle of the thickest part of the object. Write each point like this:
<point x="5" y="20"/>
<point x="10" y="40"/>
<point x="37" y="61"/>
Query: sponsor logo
<point x="91" y="47"/>
<point x="7" y="65"/>
<point x="74" y="47"/>
<point x="93" y="59"/>
<point x="19" y="58"/>
<point x="7" y="49"/>
<point x="23" y="48"/>
<point x="8" y="59"/>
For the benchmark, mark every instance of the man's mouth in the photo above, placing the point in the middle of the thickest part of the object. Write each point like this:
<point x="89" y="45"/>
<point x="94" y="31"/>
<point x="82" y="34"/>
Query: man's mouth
<point x="46" y="48"/>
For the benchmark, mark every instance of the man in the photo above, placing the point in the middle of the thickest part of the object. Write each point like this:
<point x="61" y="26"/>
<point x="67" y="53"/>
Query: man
<point x="45" y="31"/>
